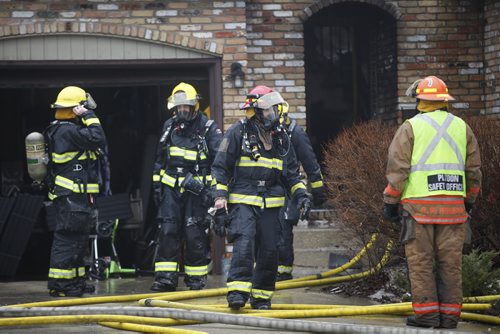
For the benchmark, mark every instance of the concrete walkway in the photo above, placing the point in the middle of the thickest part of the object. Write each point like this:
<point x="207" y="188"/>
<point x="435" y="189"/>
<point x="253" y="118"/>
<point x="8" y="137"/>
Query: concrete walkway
<point x="22" y="292"/>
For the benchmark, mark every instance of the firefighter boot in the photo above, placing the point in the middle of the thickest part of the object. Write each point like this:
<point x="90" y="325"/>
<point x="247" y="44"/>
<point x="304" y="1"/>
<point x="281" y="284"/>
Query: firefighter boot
<point x="165" y="282"/>
<point x="236" y="300"/>
<point x="195" y="282"/>
<point x="260" y="303"/>
<point x="414" y="322"/>
<point x="283" y="277"/>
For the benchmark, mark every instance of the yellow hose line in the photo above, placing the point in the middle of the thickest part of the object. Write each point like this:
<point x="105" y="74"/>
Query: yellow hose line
<point x="91" y="318"/>
<point x="196" y="307"/>
<point x="288" y="307"/>
<point x="489" y="319"/>
<point x="481" y="299"/>
<point x="309" y="311"/>
<point x="342" y="268"/>
<point x="148" y="329"/>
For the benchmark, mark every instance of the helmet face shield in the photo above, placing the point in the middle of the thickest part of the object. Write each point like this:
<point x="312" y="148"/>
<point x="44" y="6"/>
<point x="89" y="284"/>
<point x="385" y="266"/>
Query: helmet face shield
<point x="269" y="100"/>
<point x="181" y="98"/>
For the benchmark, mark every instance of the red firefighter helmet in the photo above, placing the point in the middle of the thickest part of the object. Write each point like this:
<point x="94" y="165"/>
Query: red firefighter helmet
<point x="254" y="95"/>
<point x="432" y="88"/>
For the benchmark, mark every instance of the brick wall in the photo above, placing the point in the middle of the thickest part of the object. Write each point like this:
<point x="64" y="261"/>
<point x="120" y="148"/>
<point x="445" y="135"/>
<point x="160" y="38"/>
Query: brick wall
<point x="492" y="58"/>
<point x="440" y="37"/>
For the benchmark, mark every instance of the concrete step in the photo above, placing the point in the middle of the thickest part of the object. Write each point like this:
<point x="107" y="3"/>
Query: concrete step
<point x="318" y="257"/>
<point x="322" y="234"/>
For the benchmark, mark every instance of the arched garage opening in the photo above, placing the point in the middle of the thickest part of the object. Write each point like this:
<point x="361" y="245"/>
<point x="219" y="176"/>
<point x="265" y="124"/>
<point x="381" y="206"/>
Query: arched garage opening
<point x="130" y="80"/>
<point x="350" y="61"/>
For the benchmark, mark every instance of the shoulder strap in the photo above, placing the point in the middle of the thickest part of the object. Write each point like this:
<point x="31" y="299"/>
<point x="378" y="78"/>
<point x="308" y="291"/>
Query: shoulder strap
<point x="292" y="126"/>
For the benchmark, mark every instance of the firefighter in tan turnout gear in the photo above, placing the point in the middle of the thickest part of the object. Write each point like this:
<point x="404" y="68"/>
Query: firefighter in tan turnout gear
<point x="433" y="171"/>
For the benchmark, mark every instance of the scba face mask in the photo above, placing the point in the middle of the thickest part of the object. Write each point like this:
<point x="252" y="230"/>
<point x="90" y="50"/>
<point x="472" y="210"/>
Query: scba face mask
<point x="269" y="117"/>
<point x="185" y="113"/>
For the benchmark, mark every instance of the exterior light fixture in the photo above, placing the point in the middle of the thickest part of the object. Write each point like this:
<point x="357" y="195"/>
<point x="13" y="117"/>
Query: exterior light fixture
<point x="237" y="75"/>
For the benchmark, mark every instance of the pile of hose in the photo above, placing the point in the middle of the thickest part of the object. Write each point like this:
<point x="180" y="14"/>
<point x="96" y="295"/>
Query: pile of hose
<point x="159" y="311"/>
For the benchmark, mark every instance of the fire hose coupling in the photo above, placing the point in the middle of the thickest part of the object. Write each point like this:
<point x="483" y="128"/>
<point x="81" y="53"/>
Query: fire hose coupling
<point x="192" y="185"/>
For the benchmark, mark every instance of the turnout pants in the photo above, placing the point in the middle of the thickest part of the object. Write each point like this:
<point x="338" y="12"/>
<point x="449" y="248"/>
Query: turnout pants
<point x="255" y="234"/>
<point x="285" y="250"/>
<point x="73" y="220"/>
<point x="436" y="295"/>
<point x="182" y="222"/>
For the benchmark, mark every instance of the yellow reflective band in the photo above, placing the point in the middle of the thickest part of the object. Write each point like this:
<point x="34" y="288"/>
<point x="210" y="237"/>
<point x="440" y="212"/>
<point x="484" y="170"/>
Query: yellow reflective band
<point x="90" y="121"/>
<point x="263" y="294"/>
<point x="166" y="266"/>
<point x="186" y="154"/>
<point x="246" y="199"/>
<point x="91" y="154"/>
<point x="430" y="90"/>
<point x="156" y="178"/>
<point x="196" y="270"/>
<point x="52" y="196"/>
<point x="62" y="273"/>
<point x="80" y="271"/>
<point x="285" y="269"/>
<point x="162" y="171"/>
<point x="63" y="157"/>
<point x="274" y="202"/>
<point x="168" y="180"/>
<point x="239" y="286"/>
<point x="317" y="184"/>
<point x="299" y="185"/>
<point x="262" y="162"/>
<point x="68" y="156"/>
<point x="221" y="187"/>
<point x="213" y="182"/>
<point x="75" y="187"/>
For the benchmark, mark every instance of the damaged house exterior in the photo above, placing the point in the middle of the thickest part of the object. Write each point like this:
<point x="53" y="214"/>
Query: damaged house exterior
<point x="336" y="62"/>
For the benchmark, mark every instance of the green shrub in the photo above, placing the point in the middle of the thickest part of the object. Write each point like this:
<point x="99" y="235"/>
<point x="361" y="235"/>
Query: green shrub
<point x="478" y="277"/>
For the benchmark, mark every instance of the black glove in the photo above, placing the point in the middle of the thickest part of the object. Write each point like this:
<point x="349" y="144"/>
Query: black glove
<point x="218" y="221"/>
<point x="468" y="207"/>
<point x="207" y="197"/>
<point x="391" y="212"/>
<point x="304" y="206"/>
<point x="319" y="196"/>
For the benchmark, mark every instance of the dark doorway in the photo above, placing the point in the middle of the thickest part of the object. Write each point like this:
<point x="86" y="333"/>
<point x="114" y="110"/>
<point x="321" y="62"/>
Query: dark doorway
<point x="350" y="61"/>
<point x="131" y="105"/>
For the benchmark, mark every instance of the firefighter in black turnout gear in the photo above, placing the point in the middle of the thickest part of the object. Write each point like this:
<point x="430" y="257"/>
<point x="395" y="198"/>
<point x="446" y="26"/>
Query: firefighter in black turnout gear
<point x="181" y="184"/>
<point x="73" y="140"/>
<point x="302" y="148"/>
<point x="252" y="174"/>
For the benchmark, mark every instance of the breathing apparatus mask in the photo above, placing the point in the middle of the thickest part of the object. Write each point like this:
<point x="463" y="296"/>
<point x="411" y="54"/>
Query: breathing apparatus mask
<point x="184" y="106"/>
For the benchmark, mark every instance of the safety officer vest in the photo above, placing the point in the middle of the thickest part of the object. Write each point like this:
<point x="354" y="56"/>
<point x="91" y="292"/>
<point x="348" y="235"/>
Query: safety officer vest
<point x="438" y="156"/>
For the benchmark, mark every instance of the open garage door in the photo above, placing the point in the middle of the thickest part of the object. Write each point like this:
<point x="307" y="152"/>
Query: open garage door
<point x="130" y="82"/>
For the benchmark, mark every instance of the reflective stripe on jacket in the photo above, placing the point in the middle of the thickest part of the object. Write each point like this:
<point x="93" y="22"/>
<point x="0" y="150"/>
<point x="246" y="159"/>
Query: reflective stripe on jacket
<point x="73" y="147"/>
<point x="259" y="182"/>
